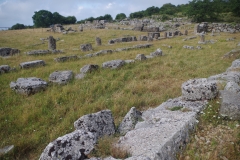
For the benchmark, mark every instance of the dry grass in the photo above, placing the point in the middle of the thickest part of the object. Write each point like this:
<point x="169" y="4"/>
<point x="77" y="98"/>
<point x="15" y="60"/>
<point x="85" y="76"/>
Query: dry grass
<point x="30" y="123"/>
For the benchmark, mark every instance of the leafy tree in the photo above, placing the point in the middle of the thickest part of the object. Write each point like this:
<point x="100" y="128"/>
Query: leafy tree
<point x="57" y="18"/>
<point x="201" y="10"/>
<point x="151" y="11"/>
<point x="70" y="20"/>
<point x="18" y="26"/>
<point x="235" y="5"/>
<point x="42" y="18"/>
<point x="120" y="16"/>
<point x="168" y="8"/>
<point x="108" y="17"/>
<point x="139" y="14"/>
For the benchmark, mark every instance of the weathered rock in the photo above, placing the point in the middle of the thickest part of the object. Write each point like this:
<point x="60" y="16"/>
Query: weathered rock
<point x="202" y="39"/>
<point x="143" y="38"/>
<point x="165" y="34"/>
<point x="233" y="87"/>
<point x="199" y="89"/>
<point x="100" y="123"/>
<point x="98" y="41"/>
<point x="102" y="52"/>
<point x="186" y="32"/>
<point x="129" y="61"/>
<point x="158" y="52"/>
<point x="113" y="64"/>
<point x="65" y="58"/>
<point x="80" y="28"/>
<point x="80" y="76"/>
<point x="231" y="53"/>
<point x="142" y="46"/>
<point x="8" y="51"/>
<point x="51" y="43"/>
<point x="28" y="86"/>
<point x="227" y="76"/>
<point x="89" y="55"/>
<point x="155" y="35"/>
<point x="38" y="52"/>
<point x="61" y="77"/>
<point x="236" y="63"/>
<point x="230" y="105"/>
<point x="188" y="38"/>
<point x="89" y="68"/>
<point x="5" y="69"/>
<point x="129" y="121"/>
<point x="86" y="47"/>
<point x="75" y="145"/>
<point x="31" y="64"/>
<point x="141" y="57"/>
<point x="199" y="47"/>
<point x="188" y="47"/>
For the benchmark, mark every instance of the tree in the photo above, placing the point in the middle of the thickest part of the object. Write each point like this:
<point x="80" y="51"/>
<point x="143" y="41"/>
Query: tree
<point x="168" y="8"/>
<point x="201" y="10"/>
<point x="42" y="18"/>
<point x="108" y="17"/>
<point x="139" y="14"/>
<point x="151" y="11"/>
<point x="120" y="16"/>
<point x="235" y="5"/>
<point x="57" y="18"/>
<point x="18" y="26"/>
<point x="70" y="20"/>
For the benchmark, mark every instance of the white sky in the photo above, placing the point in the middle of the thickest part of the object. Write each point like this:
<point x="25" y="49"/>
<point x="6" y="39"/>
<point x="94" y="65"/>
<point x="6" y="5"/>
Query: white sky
<point x="21" y="11"/>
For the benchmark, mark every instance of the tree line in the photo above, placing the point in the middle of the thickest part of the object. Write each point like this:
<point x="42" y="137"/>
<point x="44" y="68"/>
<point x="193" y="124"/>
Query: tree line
<point x="198" y="10"/>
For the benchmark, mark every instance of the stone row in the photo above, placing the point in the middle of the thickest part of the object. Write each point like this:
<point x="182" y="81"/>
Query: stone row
<point x="158" y="133"/>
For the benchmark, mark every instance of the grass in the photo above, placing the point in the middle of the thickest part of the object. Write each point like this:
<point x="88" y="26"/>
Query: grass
<point x="30" y="123"/>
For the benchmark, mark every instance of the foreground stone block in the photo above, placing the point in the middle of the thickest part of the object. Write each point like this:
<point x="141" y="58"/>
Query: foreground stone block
<point x="129" y="121"/>
<point x="230" y="105"/>
<point x="65" y="58"/>
<point x="61" y="77"/>
<point x="75" y="145"/>
<point x="4" y="69"/>
<point x="100" y="123"/>
<point x="141" y="57"/>
<point x="32" y="64"/>
<point x="89" y="68"/>
<point x="113" y="64"/>
<point x="28" y="86"/>
<point x="4" y="52"/>
<point x="86" y="47"/>
<point x="199" y="89"/>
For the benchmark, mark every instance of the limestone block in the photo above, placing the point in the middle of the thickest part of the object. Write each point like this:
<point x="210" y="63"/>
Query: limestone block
<point x="233" y="87"/>
<point x="227" y="76"/>
<point x="129" y="121"/>
<point x="199" y="89"/>
<point x="100" y="123"/>
<point x="86" y="47"/>
<point x="8" y="51"/>
<point x="4" y="69"/>
<point x="28" y="86"/>
<point x="113" y="64"/>
<point x="61" y="77"/>
<point x="141" y="57"/>
<point x="51" y="43"/>
<point x="75" y="145"/>
<point x="89" y="68"/>
<point x="158" y="52"/>
<point x="230" y="105"/>
<point x="65" y="58"/>
<point x="31" y="64"/>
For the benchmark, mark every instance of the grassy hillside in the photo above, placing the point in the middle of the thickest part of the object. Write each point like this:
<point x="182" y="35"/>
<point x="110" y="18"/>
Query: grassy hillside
<point x="30" y="123"/>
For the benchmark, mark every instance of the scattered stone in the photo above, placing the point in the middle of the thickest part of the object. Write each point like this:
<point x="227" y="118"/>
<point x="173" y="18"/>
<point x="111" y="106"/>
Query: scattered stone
<point x="80" y="28"/>
<point x="226" y="76"/>
<point x="89" y="55"/>
<point x="141" y="57"/>
<point x="154" y="35"/>
<point x="100" y="123"/>
<point x="80" y="76"/>
<point x="158" y="52"/>
<point x="102" y="52"/>
<point x="6" y="149"/>
<point x="202" y="27"/>
<point x="57" y="28"/>
<point x="123" y="39"/>
<point x="149" y="57"/>
<point x="231" y="53"/>
<point x="143" y="38"/>
<point x="98" y="41"/>
<point x="188" y="47"/>
<point x="186" y="32"/>
<point x="143" y="46"/>
<point x="43" y="52"/>
<point x="199" y="47"/>
<point x="165" y="34"/>
<point x="61" y="77"/>
<point x="75" y="145"/>
<point x="65" y="58"/>
<point x="113" y="64"/>
<point x="199" y="89"/>
<point x="202" y="39"/>
<point x="86" y="47"/>
<point x="129" y="121"/>
<point x="150" y="39"/>
<point x="231" y="39"/>
<point x="5" y="69"/>
<point x="51" y="43"/>
<point x="188" y="38"/>
<point x="129" y="61"/>
<point x="89" y="68"/>
<point x="28" y="86"/>
<point x="230" y="105"/>
<point x="31" y="64"/>
<point x="4" y="52"/>
<point x="238" y="44"/>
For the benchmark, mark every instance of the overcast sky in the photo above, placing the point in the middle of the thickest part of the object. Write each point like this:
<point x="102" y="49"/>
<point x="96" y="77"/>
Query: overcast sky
<point x="21" y="11"/>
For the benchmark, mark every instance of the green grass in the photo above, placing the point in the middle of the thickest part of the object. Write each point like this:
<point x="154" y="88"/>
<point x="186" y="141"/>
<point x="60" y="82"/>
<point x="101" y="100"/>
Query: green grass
<point x="30" y="123"/>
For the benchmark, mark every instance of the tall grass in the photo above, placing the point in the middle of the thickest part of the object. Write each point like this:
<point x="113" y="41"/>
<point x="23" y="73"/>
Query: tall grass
<point x="30" y="123"/>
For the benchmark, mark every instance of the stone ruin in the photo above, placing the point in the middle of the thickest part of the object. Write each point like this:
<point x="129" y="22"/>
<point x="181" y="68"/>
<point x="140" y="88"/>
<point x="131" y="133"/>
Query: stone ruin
<point x="216" y="27"/>
<point x="123" y="39"/>
<point x="51" y="43"/>
<point x="4" y="52"/>
<point x="56" y="28"/>
<point x="86" y="47"/>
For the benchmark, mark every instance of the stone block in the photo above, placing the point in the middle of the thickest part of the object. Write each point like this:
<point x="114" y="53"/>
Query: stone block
<point x="31" y="64"/>
<point x="113" y="64"/>
<point x="61" y="77"/>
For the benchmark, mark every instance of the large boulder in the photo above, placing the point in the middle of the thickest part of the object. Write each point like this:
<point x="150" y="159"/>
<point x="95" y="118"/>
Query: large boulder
<point x="129" y="121"/>
<point x="100" y="123"/>
<point x="199" y="89"/>
<point x="75" y="145"/>
<point x="230" y="105"/>
<point x="89" y="68"/>
<point x="113" y="64"/>
<point x="61" y="77"/>
<point x="27" y="86"/>
<point x="233" y="87"/>
<point x="31" y="64"/>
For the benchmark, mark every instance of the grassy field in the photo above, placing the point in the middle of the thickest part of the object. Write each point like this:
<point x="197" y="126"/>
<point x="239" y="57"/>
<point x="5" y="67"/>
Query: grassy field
<point x="30" y="123"/>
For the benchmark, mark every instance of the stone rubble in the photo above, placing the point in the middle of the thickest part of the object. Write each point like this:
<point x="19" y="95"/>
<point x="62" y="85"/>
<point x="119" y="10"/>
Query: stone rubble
<point x="31" y="64"/>
<point x="114" y="64"/>
<point x="65" y="58"/>
<point x="61" y="77"/>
